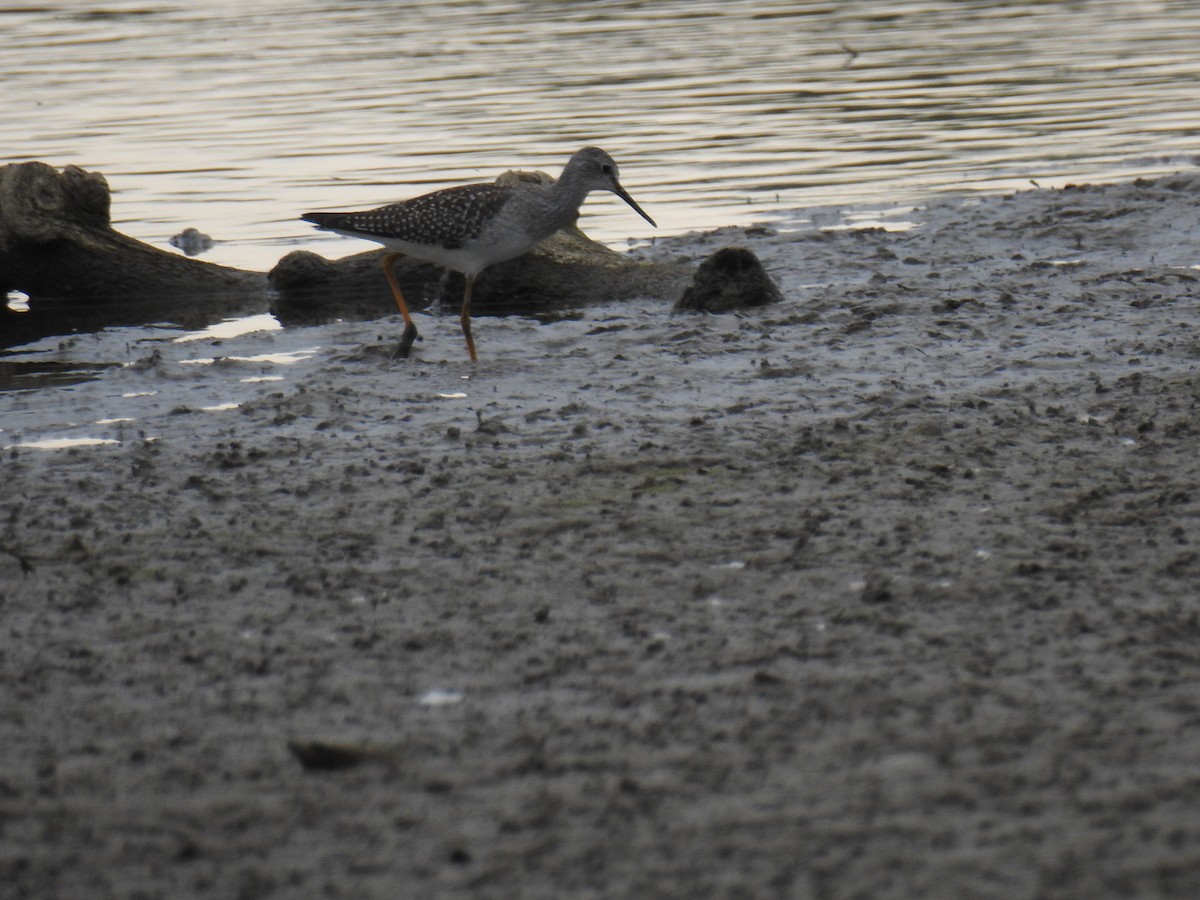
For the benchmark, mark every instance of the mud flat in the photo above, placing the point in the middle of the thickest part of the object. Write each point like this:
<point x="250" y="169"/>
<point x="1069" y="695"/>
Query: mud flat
<point x="888" y="590"/>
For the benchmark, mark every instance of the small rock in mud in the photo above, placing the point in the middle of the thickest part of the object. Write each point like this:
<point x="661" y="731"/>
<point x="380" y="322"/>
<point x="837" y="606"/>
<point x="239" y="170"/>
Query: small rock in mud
<point x="878" y="588"/>
<point x="333" y="756"/>
<point x="730" y="279"/>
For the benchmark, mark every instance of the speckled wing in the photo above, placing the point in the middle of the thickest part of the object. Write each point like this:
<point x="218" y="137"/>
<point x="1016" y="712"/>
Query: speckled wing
<point x="449" y="218"/>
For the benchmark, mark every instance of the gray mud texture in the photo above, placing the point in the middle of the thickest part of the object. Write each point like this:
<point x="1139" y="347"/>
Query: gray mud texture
<point x="889" y="590"/>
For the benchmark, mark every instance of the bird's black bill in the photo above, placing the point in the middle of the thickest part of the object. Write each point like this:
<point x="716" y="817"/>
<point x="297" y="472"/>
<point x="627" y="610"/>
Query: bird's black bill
<point x="624" y="195"/>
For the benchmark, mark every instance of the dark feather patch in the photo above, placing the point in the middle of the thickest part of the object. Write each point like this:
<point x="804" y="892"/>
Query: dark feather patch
<point x="448" y="218"/>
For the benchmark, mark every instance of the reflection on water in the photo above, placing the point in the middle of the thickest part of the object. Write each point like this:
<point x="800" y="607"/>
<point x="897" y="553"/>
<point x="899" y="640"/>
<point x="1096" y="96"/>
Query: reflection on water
<point x="60" y="444"/>
<point x="275" y="359"/>
<point x="50" y="316"/>
<point x="19" y="374"/>
<point x="235" y="117"/>
<point x="154" y="376"/>
<point x="231" y="328"/>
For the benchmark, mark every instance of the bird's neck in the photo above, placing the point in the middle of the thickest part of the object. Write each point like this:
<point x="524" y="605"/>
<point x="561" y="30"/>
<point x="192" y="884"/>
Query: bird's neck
<point x="562" y="201"/>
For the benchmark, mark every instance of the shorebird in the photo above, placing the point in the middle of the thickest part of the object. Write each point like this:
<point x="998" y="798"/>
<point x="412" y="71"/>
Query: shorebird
<point x="470" y="227"/>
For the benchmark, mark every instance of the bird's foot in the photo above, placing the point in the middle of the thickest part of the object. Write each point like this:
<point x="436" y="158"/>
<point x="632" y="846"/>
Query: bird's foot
<point x="406" y="341"/>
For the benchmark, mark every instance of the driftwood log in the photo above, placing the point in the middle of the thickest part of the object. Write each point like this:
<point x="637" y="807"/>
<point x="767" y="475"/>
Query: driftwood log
<point x="567" y="270"/>
<point x="56" y="239"/>
<point x="58" y="246"/>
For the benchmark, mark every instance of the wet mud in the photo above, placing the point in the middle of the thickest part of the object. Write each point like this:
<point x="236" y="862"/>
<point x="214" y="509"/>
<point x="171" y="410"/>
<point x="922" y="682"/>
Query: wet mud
<point x="887" y="590"/>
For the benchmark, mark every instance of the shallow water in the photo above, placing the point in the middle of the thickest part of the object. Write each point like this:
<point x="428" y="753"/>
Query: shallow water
<point x="235" y="117"/>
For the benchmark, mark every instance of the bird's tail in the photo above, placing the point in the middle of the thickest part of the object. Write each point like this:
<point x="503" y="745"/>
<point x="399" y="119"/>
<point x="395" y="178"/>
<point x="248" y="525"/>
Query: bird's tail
<point x="326" y="220"/>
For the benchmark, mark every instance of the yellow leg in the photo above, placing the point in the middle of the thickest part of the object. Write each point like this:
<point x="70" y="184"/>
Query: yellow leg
<point x="466" y="317"/>
<point x="410" y="330"/>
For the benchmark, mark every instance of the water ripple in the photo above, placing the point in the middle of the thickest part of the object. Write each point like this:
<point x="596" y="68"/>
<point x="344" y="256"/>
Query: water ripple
<point x="234" y="117"/>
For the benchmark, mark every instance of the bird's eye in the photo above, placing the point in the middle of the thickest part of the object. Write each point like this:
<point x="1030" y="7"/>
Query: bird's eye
<point x="606" y="168"/>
